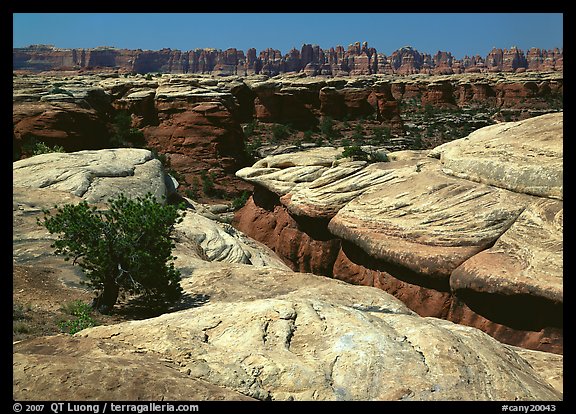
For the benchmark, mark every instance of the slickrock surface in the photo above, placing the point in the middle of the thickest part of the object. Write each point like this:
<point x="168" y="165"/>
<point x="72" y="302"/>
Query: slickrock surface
<point x="263" y="332"/>
<point x="307" y="349"/>
<point x="429" y="222"/>
<point x="477" y="223"/>
<point x="94" y="175"/>
<point x="82" y="369"/>
<point x="523" y="156"/>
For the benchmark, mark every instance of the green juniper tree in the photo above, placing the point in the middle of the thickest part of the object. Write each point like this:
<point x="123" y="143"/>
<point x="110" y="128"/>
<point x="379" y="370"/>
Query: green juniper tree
<point x="125" y="248"/>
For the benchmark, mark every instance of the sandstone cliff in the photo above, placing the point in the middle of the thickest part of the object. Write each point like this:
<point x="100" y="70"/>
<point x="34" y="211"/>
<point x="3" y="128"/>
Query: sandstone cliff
<point x="357" y="59"/>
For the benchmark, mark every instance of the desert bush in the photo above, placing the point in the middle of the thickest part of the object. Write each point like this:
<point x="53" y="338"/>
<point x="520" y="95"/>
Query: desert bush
<point x="327" y="128"/>
<point x="280" y="132"/>
<point x="355" y="152"/>
<point x="82" y="320"/>
<point x="240" y="201"/>
<point x="125" y="248"/>
<point x="381" y="134"/>
<point x="41" y="148"/>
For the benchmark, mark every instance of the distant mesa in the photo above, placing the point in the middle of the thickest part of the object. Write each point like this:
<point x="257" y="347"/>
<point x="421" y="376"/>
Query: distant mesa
<point x="357" y="59"/>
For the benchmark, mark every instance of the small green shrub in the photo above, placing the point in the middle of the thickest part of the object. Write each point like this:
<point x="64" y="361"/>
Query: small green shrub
<point x="251" y="147"/>
<point x="76" y="325"/>
<point x="381" y="134"/>
<point x="307" y="136"/>
<point x="241" y="200"/>
<point x="20" y="311"/>
<point x="355" y="152"/>
<point x="358" y="134"/>
<point x="280" y="132"/>
<point x="41" y="148"/>
<point x="20" y="327"/>
<point x="327" y="128"/>
<point x="83" y="320"/>
<point x="207" y="183"/>
<point x="250" y="129"/>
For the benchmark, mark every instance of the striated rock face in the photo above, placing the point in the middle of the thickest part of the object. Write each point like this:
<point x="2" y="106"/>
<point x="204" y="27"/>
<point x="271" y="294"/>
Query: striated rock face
<point x="261" y="332"/>
<point x="523" y="156"/>
<point x="94" y="175"/>
<point x="357" y="59"/>
<point x="428" y="223"/>
<point x="445" y="233"/>
<point x="195" y="120"/>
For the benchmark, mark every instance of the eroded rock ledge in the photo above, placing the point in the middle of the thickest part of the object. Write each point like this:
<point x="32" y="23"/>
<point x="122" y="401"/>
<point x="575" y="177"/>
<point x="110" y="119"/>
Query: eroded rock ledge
<point x="253" y="329"/>
<point x="470" y="231"/>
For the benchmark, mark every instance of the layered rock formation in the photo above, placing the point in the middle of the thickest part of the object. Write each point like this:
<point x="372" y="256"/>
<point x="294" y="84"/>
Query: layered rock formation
<point x="357" y="59"/>
<point x="195" y="120"/>
<point x="474" y="237"/>
<point x="262" y="331"/>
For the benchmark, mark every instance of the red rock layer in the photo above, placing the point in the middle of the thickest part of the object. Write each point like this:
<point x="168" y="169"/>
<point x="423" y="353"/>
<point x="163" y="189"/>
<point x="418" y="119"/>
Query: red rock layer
<point x="306" y="245"/>
<point x="358" y="59"/>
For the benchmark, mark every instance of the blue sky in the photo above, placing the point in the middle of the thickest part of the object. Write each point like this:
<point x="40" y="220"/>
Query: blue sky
<point x="459" y="33"/>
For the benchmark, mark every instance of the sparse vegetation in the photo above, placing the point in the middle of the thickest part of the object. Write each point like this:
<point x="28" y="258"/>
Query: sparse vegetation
<point x="355" y="152"/>
<point x="240" y="201"/>
<point x="208" y="184"/>
<point x="126" y="248"/>
<point x="41" y="148"/>
<point x="307" y="136"/>
<point x="358" y="134"/>
<point x="249" y="129"/>
<point x="124" y="135"/>
<point x="381" y="134"/>
<point x="280" y="132"/>
<point x="327" y="128"/>
<point x="81" y="311"/>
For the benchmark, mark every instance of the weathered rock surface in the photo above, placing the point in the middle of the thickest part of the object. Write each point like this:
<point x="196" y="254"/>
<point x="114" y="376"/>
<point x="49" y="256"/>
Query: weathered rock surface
<point x="298" y="340"/>
<point x="94" y="175"/>
<point x="469" y="250"/>
<point x="220" y="242"/>
<point x="267" y="333"/>
<point x="524" y="156"/>
<point x="47" y="368"/>
<point x="429" y="222"/>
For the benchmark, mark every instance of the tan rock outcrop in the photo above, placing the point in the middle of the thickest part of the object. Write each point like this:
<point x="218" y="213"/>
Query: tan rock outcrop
<point x="94" y="175"/>
<point x="265" y="332"/>
<point x="305" y="346"/>
<point x="523" y="156"/>
<point x="475" y="237"/>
